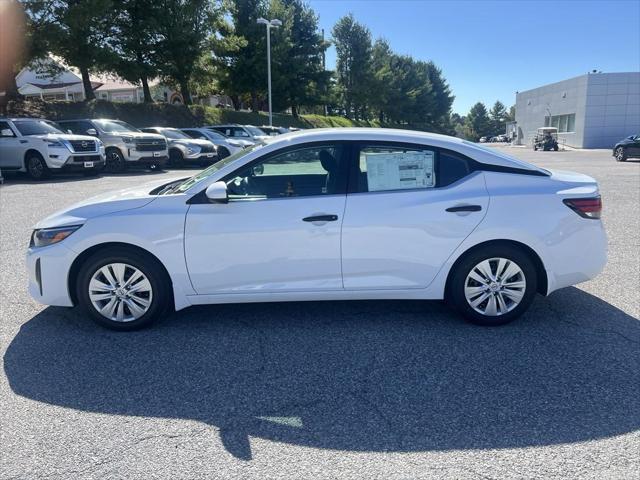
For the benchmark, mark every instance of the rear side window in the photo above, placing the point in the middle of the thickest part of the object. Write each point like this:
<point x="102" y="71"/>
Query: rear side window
<point x="389" y="168"/>
<point x="451" y="168"/>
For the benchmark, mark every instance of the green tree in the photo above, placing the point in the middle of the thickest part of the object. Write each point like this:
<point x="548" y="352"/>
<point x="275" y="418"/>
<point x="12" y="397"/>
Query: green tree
<point x="135" y="41"/>
<point x="75" y="30"/>
<point x="477" y="123"/>
<point x="354" y="66"/>
<point x="186" y="29"/>
<point x="498" y="116"/>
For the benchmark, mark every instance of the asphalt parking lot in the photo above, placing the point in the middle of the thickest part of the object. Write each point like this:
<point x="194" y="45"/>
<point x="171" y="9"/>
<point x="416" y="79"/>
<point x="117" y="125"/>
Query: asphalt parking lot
<point x="324" y="390"/>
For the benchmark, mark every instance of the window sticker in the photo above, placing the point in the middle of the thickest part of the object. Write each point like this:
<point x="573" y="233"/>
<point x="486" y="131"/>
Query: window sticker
<point x="399" y="171"/>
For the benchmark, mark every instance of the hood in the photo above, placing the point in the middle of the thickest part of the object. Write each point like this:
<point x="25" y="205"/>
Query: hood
<point x="191" y="141"/>
<point x="65" y="136"/>
<point x="236" y="142"/>
<point x="104" y="204"/>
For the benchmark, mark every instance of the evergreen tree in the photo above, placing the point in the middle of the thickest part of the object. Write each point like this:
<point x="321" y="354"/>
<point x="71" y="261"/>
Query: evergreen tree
<point x="498" y="117"/>
<point x="477" y="123"/>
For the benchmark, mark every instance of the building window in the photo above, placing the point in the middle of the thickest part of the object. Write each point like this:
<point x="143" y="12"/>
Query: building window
<point x="564" y="123"/>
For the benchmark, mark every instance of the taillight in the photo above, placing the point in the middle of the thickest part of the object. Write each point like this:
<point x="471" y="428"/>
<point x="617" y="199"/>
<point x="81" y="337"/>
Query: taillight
<point x="585" y="207"/>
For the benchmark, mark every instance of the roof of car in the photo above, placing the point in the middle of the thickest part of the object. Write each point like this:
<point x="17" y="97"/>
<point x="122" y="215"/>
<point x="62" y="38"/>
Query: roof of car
<point x="477" y="152"/>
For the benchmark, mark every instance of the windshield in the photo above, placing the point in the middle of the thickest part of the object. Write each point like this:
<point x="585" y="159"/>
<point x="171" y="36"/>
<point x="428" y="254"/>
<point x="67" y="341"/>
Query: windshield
<point x="115" y="126"/>
<point x="254" y="131"/>
<point x="215" y="134"/>
<point x="173" y="133"/>
<point x="36" y="127"/>
<point x="186" y="185"/>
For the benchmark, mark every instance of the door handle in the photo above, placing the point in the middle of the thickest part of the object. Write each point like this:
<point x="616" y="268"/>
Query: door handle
<point x="464" y="208"/>
<point x="321" y="218"/>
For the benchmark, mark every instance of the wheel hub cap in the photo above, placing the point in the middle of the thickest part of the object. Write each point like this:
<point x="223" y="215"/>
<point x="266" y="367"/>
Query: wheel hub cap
<point x="495" y="286"/>
<point x="120" y="292"/>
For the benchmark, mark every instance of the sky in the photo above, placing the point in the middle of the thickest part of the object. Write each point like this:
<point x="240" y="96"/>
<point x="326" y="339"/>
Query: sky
<point x="488" y="50"/>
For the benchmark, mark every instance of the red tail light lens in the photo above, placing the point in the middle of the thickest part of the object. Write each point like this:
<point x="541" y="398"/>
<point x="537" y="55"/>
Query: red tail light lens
<point x="585" y="207"/>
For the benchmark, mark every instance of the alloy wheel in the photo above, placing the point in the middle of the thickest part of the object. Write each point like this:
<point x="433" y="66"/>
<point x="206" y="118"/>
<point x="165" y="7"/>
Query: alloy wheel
<point x="495" y="286"/>
<point x="120" y="292"/>
<point x="620" y="154"/>
<point x="35" y="166"/>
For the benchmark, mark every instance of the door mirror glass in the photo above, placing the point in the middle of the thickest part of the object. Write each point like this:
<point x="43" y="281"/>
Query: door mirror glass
<point x="258" y="170"/>
<point x="6" y="132"/>
<point x="92" y="132"/>
<point x="217" y="192"/>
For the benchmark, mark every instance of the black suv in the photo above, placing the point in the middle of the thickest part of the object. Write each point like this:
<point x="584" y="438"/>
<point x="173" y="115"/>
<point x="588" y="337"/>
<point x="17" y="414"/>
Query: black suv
<point x="627" y="148"/>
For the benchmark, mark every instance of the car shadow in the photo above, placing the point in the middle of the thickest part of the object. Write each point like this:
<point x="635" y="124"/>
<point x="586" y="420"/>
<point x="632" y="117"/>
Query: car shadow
<point x="20" y="178"/>
<point x="354" y="376"/>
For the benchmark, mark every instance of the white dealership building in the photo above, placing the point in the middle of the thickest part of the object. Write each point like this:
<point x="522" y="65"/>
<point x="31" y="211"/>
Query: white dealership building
<point x="594" y="110"/>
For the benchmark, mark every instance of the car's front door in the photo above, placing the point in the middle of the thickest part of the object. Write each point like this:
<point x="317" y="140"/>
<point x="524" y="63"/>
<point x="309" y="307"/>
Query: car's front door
<point x="11" y="147"/>
<point x="408" y="209"/>
<point x="634" y="147"/>
<point x="279" y="231"/>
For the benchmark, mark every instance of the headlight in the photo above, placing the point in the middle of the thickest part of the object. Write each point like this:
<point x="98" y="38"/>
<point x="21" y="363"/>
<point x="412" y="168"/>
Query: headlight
<point x="193" y="149"/>
<point x="55" y="143"/>
<point x="127" y="139"/>
<point x="48" y="236"/>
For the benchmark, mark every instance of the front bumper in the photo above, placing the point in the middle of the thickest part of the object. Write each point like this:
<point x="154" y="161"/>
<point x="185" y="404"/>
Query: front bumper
<point x="48" y="271"/>
<point x="84" y="163"/>
<point x="208" y="158"/>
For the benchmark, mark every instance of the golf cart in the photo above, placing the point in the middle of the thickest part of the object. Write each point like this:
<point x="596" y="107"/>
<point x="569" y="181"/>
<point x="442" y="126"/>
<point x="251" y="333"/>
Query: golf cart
<point x="546" y="139"/>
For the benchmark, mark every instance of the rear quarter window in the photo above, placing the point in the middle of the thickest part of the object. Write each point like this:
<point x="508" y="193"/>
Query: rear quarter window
<point x="451" y="168"/>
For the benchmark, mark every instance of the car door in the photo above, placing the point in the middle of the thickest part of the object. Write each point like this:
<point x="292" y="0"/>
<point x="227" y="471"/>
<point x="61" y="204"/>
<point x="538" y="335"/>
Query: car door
<point x="279" y="231"/>
<point x="634" y="147"/>
<point x="408" y="208"/>
<point x="12" y="148"/>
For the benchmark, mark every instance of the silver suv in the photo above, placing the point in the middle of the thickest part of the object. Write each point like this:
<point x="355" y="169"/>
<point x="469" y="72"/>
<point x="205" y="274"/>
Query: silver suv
<point x="186" y="150"/>
<point x="39" y="148"/>
<point x="125" y="145"/>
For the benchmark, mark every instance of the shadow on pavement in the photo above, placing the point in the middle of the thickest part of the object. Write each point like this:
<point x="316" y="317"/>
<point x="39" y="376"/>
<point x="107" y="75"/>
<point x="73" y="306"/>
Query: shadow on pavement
<point x="357" y="376"/>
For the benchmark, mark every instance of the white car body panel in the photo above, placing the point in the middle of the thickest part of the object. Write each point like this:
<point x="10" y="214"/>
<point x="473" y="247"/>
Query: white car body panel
<point x="385" y="245"/>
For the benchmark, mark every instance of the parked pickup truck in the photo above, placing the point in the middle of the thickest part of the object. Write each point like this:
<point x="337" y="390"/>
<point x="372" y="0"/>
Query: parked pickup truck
<point x="125" y="145"/>
<point x="39" y="147"/>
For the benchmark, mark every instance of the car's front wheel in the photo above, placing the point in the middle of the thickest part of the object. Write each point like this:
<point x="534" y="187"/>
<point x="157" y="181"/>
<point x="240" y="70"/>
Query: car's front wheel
<point x="36" y="167"/>
<point x="115" y="161"/>
<point x="620" y="154"/>
<point x="123" y="289"/>
<point x="493" y="285"/>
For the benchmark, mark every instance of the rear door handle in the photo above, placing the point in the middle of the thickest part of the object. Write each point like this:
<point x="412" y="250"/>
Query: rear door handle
<point x="321" y="218"/>
<point x="464" y="208"/>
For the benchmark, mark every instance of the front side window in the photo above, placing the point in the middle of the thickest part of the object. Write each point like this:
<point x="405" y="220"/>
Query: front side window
<point x="236" y="132"/>
<point x="5" y="129"/>
<point x="388" y="168"/>
<point x="301" y="172"/>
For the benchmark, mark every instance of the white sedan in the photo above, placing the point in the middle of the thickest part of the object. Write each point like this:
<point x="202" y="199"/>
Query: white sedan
<point x="327" y="215"/>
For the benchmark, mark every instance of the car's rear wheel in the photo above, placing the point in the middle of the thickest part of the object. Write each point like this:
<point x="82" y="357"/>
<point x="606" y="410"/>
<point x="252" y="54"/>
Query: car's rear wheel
<point x="123" y="289"/>
<point x="620" y="154"/>
<point x="222" y="153"/>
<point x="37" y="167"/>
<point x="115" y="162"/>
<point x="176" y="159"/>
<point x="493" y="285"/>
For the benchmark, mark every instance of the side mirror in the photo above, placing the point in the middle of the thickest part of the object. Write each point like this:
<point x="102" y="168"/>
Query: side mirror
<point x="217" y="192"/>
<point x="258" y="170"/>
<point x="93" y="132"/>
<point x="6" y="132"/>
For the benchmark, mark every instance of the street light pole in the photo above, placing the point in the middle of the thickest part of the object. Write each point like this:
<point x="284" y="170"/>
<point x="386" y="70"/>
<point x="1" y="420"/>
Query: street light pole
<point x="269" y="23"/>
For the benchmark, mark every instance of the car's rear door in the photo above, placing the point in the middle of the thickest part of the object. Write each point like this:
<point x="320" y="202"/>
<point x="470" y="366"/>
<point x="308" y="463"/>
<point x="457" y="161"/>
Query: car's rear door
<point x="280" y="230"/>
<point x="408" y="208"/>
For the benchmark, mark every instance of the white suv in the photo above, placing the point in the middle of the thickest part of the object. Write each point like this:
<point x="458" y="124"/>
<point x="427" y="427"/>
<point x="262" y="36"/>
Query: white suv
<point x="39" y="147"/>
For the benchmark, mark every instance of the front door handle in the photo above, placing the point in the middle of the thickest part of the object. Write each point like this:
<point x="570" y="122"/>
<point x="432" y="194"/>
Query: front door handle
<point x="320" y="218"/>
<point x="464" y="208"/>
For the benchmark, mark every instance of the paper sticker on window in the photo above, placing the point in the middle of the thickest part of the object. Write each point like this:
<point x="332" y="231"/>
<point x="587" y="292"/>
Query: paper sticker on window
<point x="401" y="170"/>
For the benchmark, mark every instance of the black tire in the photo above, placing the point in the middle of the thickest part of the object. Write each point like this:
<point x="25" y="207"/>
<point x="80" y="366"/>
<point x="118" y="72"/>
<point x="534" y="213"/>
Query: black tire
<point x="36" y="166"/>
<point x="535" y="148"/>
<point x="620" y="154"/>
<point x="115" y="161"/>
<point x="223" y="153"/>
<point x="556" y="148"/>
<point x="145" y="263"/>
<point x="456" y="291"/>
<point x="176" y="159"/>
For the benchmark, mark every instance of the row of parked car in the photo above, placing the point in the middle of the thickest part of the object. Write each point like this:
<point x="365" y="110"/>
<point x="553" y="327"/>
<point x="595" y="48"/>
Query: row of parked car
<point x="40" y="147"/>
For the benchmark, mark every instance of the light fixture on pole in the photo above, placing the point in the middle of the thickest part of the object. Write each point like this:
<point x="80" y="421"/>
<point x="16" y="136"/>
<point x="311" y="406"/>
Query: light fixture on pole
<point x="269" y="23"/>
